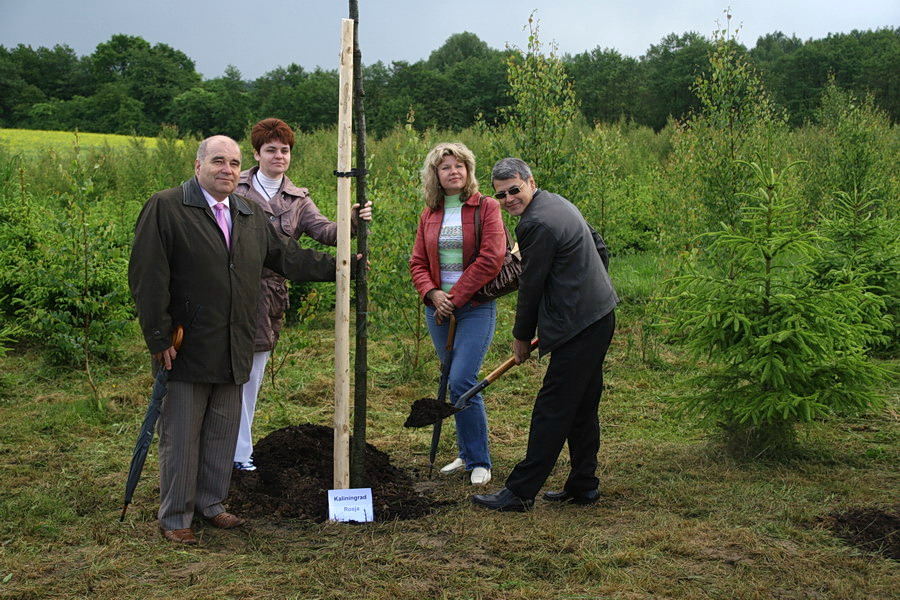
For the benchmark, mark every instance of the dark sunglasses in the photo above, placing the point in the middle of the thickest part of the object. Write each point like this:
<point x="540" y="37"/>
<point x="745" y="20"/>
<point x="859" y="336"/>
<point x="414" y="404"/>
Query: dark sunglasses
<point x="513" y="190"/>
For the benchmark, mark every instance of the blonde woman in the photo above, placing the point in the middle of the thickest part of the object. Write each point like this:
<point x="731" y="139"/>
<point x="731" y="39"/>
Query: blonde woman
<point x="447" y="271"/>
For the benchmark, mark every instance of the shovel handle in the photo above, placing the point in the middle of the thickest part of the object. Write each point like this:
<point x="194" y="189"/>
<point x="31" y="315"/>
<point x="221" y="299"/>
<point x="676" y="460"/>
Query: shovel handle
<point x="451" y="334"/>
<point x="509" y="363"/>
<point x="503" y="368"/>
<point x="506" y="366"/>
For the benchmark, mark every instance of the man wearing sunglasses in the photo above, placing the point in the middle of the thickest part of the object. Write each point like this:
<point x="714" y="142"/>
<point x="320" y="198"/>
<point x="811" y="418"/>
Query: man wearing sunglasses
<point x="566" y="297"/>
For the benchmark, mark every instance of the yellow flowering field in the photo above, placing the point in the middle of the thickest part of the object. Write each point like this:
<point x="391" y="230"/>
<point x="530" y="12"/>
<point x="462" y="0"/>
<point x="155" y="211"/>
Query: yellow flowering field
<point x="33" y="141"/>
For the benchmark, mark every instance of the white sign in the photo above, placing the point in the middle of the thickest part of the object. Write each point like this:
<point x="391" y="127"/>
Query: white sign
<point x="350" y="505"/>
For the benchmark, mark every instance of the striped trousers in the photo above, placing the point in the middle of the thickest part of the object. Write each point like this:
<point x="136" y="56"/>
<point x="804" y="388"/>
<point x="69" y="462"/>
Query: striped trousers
<point x="198" y="427"/>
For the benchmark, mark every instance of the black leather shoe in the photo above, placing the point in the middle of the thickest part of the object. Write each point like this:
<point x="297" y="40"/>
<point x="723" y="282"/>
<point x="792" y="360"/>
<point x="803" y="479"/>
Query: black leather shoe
<point x="503" y="501"/>
<point x="588" y="497"/>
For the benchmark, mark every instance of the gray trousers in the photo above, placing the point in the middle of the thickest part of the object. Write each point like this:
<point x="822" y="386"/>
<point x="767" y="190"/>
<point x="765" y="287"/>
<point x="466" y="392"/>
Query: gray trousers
<point x="198" y="427"/>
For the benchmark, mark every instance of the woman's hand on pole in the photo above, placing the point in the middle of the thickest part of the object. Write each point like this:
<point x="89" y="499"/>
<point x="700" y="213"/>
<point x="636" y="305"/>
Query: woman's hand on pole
<point x="365" y="213"/>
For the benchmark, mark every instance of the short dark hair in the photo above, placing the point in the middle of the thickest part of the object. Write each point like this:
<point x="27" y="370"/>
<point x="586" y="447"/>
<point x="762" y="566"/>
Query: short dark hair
<point x="271" y="129"/>
<point x="508" y="168"/>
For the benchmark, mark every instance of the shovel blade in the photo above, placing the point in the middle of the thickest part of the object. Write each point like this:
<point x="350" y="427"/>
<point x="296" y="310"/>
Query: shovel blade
<point x="428" y="411"/>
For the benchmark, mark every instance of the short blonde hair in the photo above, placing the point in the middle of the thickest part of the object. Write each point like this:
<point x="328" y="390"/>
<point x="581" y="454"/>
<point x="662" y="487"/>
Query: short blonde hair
<point x="431" y="187"/>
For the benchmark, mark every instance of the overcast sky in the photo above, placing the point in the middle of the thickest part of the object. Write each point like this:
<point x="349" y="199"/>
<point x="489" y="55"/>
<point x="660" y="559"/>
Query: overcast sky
<point x="258" y="37"/>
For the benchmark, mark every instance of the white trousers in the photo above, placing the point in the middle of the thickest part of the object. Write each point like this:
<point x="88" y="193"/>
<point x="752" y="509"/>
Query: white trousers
<point x="249" y="393"/>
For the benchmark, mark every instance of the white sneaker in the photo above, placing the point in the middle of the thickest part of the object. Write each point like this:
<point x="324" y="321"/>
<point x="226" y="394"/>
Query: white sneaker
<point x="456" y="465"/>
<point x="480" y="476"/>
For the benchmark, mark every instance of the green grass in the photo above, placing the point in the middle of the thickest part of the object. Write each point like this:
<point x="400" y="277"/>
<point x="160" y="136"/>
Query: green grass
<point x="678" y="519"/>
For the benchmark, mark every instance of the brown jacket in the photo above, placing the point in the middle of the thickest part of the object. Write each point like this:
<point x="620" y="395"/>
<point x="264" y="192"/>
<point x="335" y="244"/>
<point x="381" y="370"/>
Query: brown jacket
<point x="181" y="272"/>
<point x="293" y="213"/>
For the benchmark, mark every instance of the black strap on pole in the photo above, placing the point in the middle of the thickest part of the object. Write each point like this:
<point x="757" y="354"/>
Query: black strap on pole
<point x="351" y="173"/>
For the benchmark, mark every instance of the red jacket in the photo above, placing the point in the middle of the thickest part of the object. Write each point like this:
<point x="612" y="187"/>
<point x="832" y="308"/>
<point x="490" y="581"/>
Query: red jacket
<point x="425" y="263"/>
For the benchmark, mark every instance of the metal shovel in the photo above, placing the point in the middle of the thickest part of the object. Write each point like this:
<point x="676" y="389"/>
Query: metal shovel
<point x="442" y="392"/>
<point x="428" y="411"/>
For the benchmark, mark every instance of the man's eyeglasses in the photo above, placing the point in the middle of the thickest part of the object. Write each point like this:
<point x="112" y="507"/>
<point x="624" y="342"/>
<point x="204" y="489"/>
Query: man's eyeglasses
<point x="513" y="190"/>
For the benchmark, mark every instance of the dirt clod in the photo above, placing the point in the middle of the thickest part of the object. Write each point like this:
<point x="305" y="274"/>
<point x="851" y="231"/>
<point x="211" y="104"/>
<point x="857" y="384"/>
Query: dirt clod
<point x="295" y="470"/>
<point x="428" y="411"/>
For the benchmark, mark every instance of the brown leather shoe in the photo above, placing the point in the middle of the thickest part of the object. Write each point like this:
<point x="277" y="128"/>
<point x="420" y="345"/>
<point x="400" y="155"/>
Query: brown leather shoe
<point x="180" y="536"/>
<point x="225" y="520"/>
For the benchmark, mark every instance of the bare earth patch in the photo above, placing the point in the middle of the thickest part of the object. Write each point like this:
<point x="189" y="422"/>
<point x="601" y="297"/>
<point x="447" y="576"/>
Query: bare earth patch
<point x="869" y="529"/>
<point x="295" y="470"/>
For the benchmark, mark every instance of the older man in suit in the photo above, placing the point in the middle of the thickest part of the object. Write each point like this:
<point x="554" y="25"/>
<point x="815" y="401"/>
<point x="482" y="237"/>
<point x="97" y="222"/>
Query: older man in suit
<point x="198" y="255"/>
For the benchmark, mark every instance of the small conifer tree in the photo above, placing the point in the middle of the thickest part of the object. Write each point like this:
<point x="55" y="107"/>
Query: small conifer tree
<point x="864" y="243"/>
<point x="780" y="347"/>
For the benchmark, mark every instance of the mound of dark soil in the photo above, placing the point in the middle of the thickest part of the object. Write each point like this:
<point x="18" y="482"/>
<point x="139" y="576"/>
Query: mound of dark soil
<point x="869" y="529"/>
<point x="295" y="470"/>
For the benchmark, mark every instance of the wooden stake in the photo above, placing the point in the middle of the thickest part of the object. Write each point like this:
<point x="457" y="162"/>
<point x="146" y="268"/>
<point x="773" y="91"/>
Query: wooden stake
<point x="342" y="300"/>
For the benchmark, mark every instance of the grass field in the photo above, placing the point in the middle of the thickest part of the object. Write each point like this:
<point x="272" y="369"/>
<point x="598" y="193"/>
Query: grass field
<point x="678" y="519"/>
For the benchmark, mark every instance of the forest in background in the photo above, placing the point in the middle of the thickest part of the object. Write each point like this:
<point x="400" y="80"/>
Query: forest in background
<point x="132" y="87"/>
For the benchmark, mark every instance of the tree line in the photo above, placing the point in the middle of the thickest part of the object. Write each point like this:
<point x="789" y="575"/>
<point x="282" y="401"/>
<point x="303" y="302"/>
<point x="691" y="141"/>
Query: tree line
<point x="129" y="86"/>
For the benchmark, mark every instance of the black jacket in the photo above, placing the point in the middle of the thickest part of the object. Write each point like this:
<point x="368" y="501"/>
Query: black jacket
<point x="564" y="286"/>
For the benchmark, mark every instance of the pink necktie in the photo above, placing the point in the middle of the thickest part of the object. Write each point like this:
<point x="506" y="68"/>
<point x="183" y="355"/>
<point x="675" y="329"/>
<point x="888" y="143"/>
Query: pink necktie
<point x="223" y="223"/>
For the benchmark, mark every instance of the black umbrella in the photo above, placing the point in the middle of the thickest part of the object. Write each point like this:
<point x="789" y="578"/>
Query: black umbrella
<point x="148" y="427"/>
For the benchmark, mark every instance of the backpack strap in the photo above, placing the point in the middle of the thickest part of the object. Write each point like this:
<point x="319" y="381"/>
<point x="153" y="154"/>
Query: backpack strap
<point x="511" y="245"/>
<point x="478" y="226"/>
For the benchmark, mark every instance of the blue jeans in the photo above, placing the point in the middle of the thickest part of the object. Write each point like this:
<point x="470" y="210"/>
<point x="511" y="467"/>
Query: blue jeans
<point x="474" y="332"/>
